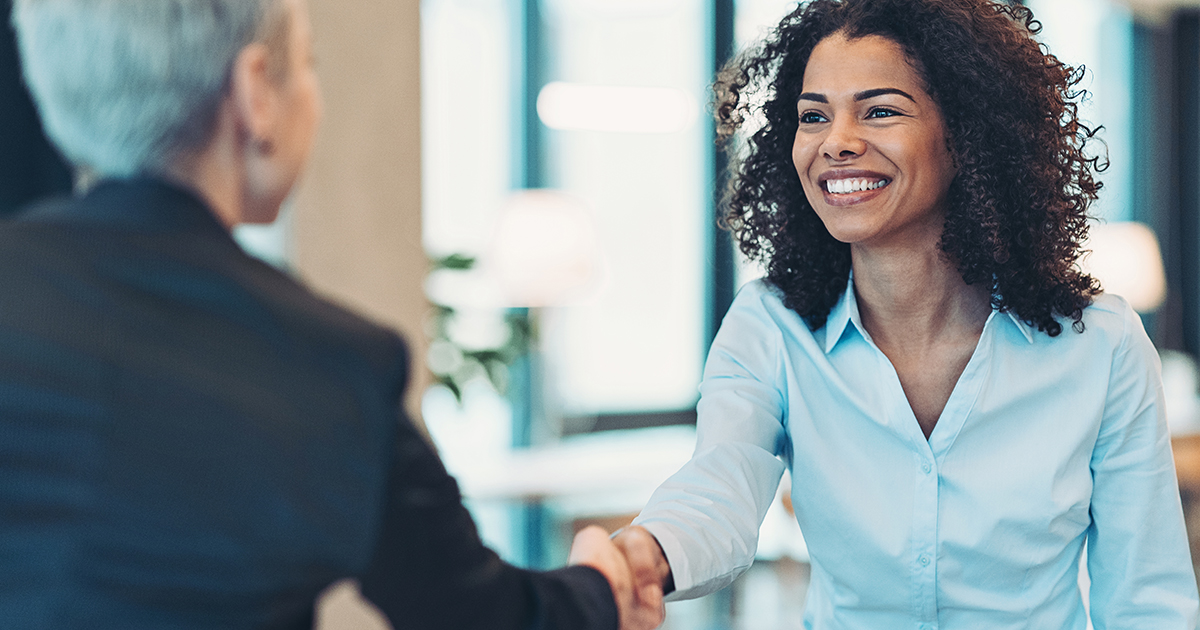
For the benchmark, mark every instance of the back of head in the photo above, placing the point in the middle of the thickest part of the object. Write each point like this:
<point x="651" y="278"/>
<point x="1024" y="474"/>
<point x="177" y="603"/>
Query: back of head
<point x="127" y="87"/>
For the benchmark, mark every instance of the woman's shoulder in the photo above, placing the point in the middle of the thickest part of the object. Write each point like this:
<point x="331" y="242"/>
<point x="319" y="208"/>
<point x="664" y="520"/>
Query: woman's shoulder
<point x="1110" y="312"/>
<point x="760" y="299"/>
<point x="1110" y="320"/>
<point x="758" y="310"/>
<point x="759" y="287"/>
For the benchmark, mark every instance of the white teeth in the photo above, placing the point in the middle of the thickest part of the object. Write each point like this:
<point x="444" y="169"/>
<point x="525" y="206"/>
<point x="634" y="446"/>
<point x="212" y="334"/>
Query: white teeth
<point x="846" y="186"/>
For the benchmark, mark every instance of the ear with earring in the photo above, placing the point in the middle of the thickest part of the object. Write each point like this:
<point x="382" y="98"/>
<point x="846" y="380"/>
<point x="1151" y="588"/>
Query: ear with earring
<point x="263" y="146"/>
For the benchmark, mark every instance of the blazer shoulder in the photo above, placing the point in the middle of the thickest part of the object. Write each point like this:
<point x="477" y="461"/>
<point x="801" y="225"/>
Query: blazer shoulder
<point x="317" y="318"/>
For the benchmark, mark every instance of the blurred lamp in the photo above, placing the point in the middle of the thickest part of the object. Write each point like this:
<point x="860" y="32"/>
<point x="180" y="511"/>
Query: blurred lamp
<point x="545" y="251"/>
<point x="575" y="106"/>
<point x="1125" y="258"/>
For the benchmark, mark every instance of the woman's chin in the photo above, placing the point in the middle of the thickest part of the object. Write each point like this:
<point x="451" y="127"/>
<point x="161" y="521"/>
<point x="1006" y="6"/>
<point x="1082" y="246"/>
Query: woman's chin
<point x="849" y="234"/>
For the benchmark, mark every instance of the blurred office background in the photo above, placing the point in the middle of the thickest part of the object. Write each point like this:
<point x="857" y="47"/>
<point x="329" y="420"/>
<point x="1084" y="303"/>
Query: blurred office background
<point x="527" y="189"/>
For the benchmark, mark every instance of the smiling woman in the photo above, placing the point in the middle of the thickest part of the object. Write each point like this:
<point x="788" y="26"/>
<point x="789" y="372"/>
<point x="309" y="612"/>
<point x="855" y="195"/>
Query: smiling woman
<point x="918" y="193"/>
<point x="1010" y="114"/>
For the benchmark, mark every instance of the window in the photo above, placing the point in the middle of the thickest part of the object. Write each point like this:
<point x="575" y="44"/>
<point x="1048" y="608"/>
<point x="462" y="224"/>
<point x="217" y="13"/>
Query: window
<point x="640" y="163"/>
<point x="604" y="102"/>
<point x="1099" y="36"/>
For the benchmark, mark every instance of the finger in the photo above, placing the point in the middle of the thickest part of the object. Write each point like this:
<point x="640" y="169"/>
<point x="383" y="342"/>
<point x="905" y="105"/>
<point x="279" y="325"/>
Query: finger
<point x="578" y="546"/>
<point x="592" y="547"/>
<point x="650" y="611"/>
<point x="645" y="616"/>
<point x="650" y="596"/>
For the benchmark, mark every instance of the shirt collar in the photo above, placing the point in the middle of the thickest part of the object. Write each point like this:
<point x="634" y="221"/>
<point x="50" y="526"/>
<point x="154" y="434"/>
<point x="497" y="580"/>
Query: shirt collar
<point x="845" y="312"/>
<point x="1025" y="329"/>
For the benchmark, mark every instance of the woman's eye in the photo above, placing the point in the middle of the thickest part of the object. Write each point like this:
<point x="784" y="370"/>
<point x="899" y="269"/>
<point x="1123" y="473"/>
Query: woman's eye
<point x="809" y="118"/>
<point x="882" y="112"/>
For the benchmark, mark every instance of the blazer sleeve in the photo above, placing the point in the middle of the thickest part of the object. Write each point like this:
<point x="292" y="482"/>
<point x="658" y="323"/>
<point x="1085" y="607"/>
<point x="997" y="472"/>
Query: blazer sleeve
<point x="431" y="570"/>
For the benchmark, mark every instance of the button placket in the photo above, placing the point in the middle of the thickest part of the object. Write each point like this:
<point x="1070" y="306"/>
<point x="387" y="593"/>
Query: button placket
<point x="925" y="526"/>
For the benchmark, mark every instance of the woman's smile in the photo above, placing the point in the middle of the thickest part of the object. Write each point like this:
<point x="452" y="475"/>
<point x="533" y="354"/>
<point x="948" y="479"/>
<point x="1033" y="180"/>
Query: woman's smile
<point x="845" y="187"/>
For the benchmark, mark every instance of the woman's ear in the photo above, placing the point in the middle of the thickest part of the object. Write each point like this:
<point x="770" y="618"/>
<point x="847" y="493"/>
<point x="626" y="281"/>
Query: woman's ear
<point x="254" y="95"/>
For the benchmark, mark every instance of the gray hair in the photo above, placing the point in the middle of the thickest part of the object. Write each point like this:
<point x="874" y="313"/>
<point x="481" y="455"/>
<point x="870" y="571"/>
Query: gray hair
<point x="128" y="87"/>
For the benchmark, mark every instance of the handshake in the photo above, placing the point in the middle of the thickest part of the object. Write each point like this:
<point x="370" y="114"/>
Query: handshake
<point x="636" y="570"/>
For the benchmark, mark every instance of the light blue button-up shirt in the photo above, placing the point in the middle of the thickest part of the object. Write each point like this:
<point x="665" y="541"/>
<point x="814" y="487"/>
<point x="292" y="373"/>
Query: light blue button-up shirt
<point x="1044" y="443"/>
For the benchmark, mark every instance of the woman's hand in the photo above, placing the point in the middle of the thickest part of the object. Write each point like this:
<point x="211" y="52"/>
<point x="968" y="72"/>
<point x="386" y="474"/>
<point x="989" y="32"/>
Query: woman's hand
<point x="639" y="605"/>
<point x="648" y="563"/>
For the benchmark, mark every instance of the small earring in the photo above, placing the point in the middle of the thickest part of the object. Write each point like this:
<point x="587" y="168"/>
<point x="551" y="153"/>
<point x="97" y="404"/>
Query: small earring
<point x="264" y="146"/>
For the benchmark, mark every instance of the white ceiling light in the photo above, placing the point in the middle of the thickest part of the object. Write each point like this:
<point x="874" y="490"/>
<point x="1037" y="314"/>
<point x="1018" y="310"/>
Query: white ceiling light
<point x="579" y="107"/>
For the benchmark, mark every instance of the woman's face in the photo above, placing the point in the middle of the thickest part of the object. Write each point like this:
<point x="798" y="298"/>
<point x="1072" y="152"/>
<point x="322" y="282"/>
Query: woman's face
<point x="871" y="147"/>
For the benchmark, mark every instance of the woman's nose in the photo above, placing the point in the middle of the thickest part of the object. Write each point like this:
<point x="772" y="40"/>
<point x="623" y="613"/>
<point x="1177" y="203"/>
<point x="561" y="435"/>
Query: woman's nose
<point x="843" y="141"/>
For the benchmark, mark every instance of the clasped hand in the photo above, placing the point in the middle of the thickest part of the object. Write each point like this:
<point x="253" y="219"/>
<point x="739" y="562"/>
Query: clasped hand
<point x="636" y="570"/>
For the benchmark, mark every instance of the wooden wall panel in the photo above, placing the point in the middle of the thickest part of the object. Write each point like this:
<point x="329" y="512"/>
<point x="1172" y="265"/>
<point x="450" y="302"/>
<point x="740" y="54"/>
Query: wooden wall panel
<point x="357" y="215"/>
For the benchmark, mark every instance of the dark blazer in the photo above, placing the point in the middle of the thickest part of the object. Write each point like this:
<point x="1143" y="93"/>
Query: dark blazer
<point x="191" y="439"/>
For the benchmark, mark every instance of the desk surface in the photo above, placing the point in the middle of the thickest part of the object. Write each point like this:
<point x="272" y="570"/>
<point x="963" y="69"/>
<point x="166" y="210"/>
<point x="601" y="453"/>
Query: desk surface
<point x="629" y="462"/>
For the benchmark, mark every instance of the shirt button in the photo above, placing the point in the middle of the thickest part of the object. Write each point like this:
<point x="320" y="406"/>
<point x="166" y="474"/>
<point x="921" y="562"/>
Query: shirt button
<point x="924" y="560"/>
<point x="926" y="467"/>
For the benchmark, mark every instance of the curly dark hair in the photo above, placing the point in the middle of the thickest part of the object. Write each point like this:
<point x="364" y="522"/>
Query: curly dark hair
<point x="1017" y="208"/>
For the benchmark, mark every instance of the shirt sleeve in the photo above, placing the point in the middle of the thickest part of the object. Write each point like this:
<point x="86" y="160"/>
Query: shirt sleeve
<point x="1138" y="556"/>
<point x="707" y="516"/>
<point x="430" y="570"/>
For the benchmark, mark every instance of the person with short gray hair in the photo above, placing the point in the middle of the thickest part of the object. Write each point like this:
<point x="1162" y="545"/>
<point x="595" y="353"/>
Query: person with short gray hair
<point x="127" y="88"/>
<point x="190" y="439"/>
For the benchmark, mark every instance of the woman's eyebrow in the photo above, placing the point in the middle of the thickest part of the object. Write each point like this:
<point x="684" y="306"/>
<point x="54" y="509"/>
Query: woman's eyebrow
<point x="866" y="94"/>
<point x="859" y="96"/>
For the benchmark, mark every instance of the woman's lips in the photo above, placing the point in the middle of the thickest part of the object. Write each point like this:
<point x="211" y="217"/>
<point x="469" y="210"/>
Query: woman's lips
<point x="857" y="189"/>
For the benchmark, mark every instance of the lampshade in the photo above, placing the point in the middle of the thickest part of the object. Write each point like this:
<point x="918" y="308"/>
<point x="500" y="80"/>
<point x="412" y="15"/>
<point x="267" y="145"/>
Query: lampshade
<point x="1126" y="260"/>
